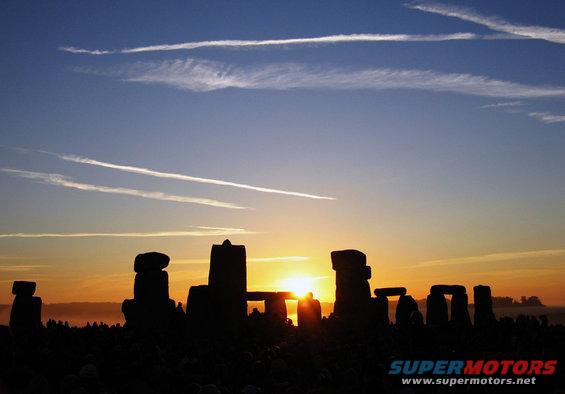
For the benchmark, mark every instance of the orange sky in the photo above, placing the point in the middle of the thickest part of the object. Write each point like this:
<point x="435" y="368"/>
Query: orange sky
<point x="102" y="269"/>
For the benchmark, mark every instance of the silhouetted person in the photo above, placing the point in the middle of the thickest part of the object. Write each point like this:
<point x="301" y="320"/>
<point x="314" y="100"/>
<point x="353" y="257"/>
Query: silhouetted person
<point x="309" y="313"/>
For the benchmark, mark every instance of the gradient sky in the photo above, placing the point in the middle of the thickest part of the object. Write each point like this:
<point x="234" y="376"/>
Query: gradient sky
<point x="441" y="138"/>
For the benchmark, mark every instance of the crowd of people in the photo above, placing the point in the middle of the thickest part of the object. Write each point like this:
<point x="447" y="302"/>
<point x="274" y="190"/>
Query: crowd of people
<point x="263" y="358"/>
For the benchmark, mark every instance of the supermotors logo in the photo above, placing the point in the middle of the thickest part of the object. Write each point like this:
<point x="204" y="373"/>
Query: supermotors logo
<point x="473" y="367"/>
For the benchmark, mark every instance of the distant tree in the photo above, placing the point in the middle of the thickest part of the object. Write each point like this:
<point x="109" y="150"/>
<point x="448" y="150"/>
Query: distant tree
<point x="502" y="301"/>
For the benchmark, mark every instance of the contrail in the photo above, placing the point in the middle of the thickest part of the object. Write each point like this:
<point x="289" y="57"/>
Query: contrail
<point x="199" y="232"/>
<point x="61" y="180"/>
<point x="493" y="22"/>
<point x="167" y="175"/>
<point x="182" y="177"/>
<point x="332" y="39"/>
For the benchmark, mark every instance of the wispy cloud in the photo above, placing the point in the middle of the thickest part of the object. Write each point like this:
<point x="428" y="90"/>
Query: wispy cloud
<point x="61" y="180"/>
<point x="203" y="76"/>
<point x="199" y="262"/>
<point x="197" y="232"/>
<point x="493" y="22"/>
<point x="281" y="259"/>
<point x="547" y="117"/>
<point x="519" y="273"/>
<point x="21" y="268"/>
<point x="493" y="257"/>
<point x="503" y="105"/>
<point x="332" y="39"/>
<point x="34" y="276"/>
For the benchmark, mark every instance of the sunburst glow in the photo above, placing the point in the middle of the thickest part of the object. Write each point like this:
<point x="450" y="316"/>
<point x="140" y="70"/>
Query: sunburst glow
<point x="300" y="286"/>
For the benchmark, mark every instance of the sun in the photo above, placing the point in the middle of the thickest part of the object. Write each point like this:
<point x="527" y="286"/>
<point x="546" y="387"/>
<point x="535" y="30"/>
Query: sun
<point x="300" y="286"/>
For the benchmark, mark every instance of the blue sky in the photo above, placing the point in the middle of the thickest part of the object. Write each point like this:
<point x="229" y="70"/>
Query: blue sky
<point x="433" y="148"/>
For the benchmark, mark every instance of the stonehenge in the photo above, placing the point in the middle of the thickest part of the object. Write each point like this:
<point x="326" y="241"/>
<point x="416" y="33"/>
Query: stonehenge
<point x="378" y="311"/>
<point x="150" y="261"/>
<point x="227" y="285"/>
<point x="405" y="309"/>
<point x="448" y="289"/>
<point x="352" y="294"/>
<point x="390" y="291"/>
<point x="436" y="310"/>
<point x="275" y="303"/>
<point x="484" y="316"/>
<point x="379" y="305"/>
<point x="150" y="308"/>
<point x="436" y="313"/>
<point x="25" y="316"/>
<point x="459" y="310"/>
<point x="197" y="305"/>
<point x="221" y="305"/>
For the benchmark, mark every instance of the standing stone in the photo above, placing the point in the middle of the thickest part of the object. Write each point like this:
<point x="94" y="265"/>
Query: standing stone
<point x="378" y="311"/>
<point x="25" y="316"/>
<point x="416" y="320"/>
<point x="151" y="309"/>
<point x="436" y="310"/>
<point x="197" y="306"/>
<point x="459" y="310"/>
<point x="404" y="309"/>
<point x="448" y="289"/>
<point x="22" y="288"/>
<point x="227" y="282"/>
<point x="309" y="313"/>
<point x="352" y="295"/>
<point x="151" y="285"/>
<point x="150" y="261"/>
<point x="484" y="316"/>
<point x="390" y="291"/>
<point x="275" y="309"/>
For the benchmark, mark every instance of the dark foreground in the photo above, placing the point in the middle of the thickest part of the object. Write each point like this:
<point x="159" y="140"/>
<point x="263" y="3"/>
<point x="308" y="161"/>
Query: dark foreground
<point x="265" y="358"/>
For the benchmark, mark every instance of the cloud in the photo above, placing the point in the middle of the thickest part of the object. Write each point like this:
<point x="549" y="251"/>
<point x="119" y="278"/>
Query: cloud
<point x="183" y="177"/>
<point x="494" y="257"/>
<point x="166" y="175"/>
<point x="547" y="117"/>
<point x="505" y="104"/>
<point x="333" y="39"/>
<point x="493" y="22"/>
<point x="198" y="232"/>
<point x="205" y="262"/>
<point x="28" y="276"/>
<point x="281" y="259"/>
<point x="204" y="76"/>
<point x="21" y="268"/>
<point x="519" y="273"/>
<point x="61" y="180"/>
